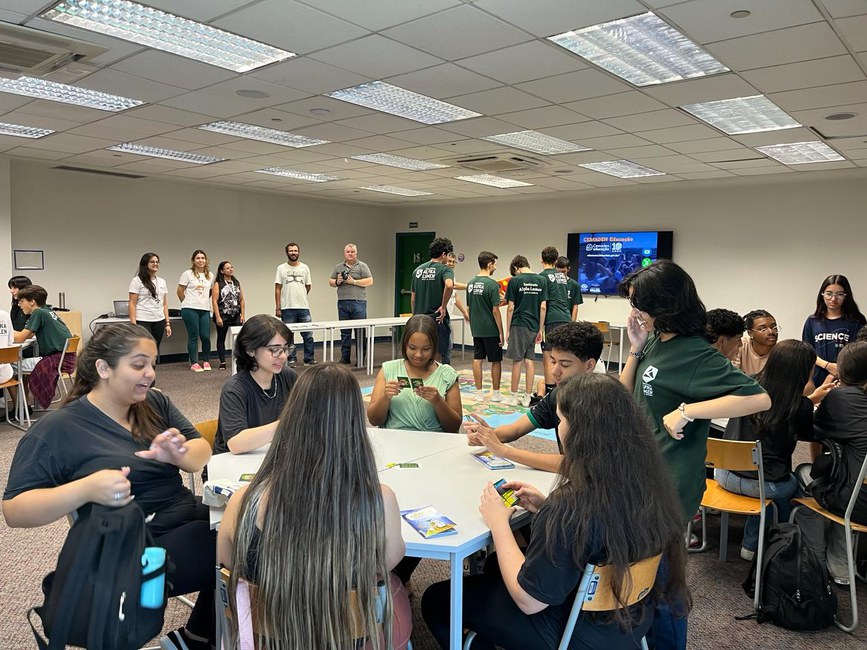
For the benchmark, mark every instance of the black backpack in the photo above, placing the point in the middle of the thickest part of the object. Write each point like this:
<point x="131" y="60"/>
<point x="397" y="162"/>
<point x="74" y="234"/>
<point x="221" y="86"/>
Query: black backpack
<point x="92" y="597"/>
<point x="796" y="589"/>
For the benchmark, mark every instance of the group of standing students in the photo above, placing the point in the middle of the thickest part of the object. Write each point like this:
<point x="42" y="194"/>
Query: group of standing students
<point x="202" y="293"/>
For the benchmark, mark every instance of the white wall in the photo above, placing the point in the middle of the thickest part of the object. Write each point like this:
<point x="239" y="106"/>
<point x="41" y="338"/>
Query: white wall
<point x="746" y="244"/>
<point x="94" y="229"/>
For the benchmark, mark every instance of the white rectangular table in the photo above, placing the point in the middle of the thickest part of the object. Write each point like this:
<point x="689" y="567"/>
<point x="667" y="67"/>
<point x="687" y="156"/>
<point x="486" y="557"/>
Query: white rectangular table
<point x="448" y="478"/>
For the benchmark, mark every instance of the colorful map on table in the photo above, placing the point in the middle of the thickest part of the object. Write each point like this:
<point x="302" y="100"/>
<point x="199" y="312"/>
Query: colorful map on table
<point x="494" y="413"/>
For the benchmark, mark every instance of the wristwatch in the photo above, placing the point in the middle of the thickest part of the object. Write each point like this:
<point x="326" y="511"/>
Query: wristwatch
<point x="682" y="409"/>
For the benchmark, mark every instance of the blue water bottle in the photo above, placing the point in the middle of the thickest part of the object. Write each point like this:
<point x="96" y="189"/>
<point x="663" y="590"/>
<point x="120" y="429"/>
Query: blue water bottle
<point x="153" y="588"/>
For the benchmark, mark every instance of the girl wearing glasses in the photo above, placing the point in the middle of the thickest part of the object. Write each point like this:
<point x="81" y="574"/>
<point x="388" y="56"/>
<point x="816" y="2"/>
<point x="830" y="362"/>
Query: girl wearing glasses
<point x="758" y="341"/>
<point x="251" y="401"/>
<point x="836" y="322"/>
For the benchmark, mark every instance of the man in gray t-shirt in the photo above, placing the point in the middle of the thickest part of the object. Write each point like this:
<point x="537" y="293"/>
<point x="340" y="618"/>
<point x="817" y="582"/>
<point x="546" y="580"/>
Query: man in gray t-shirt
<point x="351" y="277"/>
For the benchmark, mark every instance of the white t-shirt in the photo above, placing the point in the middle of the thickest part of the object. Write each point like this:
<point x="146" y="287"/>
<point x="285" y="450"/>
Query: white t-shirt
<point x="293" y="281"/>
<point x="149" y="309"/>
<point x="197" y="290"/>
<point x="7" y="338"/>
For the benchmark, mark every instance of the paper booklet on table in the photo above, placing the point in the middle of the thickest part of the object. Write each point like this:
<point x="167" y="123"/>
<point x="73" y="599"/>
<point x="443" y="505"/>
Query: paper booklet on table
<point x="429" y="522"/>
<point x="490" y="461"/>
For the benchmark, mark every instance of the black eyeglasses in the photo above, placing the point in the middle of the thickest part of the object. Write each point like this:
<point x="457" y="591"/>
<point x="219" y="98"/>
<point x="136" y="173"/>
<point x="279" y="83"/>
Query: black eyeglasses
<point x="277" y="350"/>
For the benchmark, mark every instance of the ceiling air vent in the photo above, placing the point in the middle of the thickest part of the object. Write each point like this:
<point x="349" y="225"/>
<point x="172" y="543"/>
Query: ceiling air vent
<point x="31" y="52"/>
<point x="84" y="170"/>
<point x="498" y="163"/>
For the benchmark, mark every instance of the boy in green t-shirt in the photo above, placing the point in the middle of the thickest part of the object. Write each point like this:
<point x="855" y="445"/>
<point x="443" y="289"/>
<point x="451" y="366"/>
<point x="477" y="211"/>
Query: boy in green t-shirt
<point x="51" y="335"/>
<point x="483" y="302"/>
<point x="559" y="311"/>
<point x="432" y="286"/>
<point x="526" y="297"/>
<point x="573" y="289"/>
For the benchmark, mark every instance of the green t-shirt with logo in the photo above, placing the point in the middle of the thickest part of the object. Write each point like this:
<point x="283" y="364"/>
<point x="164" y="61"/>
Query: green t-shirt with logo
<point x="428" y="283"/>
<point x="483" y="294"/>
<point x="573" y="293"/>
<point x="685" y="369"/>
<point x="51" y="332"/>
<point x="527" y="291"/>
<point x="559" y="309"/>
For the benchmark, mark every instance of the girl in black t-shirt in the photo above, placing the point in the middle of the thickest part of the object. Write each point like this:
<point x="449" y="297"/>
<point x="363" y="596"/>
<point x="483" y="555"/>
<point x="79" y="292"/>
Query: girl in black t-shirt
<point x="613" y="504"/>
<point x="228" y="305"/>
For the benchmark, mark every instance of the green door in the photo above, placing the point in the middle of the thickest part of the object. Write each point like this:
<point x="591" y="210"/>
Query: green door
<point x="412" y="249"/>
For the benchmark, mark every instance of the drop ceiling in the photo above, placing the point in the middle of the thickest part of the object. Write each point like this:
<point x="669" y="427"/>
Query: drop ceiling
<point x="491" y="56"/>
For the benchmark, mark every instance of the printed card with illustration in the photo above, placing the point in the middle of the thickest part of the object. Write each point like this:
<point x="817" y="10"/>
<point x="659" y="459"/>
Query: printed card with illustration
<point x="490" y="461"/>
<point x="404" y="382"/>
<point x="429" y="522"/>
<point x="417" y="382"/>
<point x="246" y="478"/>
<point x="508" y="494"/>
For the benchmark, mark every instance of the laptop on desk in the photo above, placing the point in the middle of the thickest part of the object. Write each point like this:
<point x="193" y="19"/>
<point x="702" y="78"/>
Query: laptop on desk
<point x="121" y="308"/>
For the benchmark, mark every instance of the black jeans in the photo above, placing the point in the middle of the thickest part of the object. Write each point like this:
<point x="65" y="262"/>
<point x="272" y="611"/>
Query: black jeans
<point x="156" y="328"/>
<point x="228" y="321"/>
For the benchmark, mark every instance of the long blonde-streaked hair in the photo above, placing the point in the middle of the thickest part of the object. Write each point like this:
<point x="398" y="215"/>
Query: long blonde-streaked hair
<point x="323" y="527"/>
<point x="207" y="263"/>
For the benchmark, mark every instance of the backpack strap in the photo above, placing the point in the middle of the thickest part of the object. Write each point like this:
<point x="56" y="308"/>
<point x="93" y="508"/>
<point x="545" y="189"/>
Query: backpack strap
<point x="245" y="616"/>
<point x="40" y="642"/>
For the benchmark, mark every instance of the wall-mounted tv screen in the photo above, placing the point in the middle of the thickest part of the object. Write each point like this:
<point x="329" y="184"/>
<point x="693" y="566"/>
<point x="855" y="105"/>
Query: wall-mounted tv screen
<point x="600" y="260"/>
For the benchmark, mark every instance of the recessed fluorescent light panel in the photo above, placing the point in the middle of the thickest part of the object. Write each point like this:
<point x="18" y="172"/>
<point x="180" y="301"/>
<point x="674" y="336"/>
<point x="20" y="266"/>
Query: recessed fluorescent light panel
<point x="645" y="50"/>
<point x="66" y="94"/>
<point x="301" y="176"/>
<point x="253" y="132"/>
<point x="23" y="131"/>
<point x="622" y="169"/>
<point x="398" y="161"/>
<point x="384" y="97"/>
<point x="169" y="154"/>
<point x="536" y="142"/>
<point x="493" y="181"/>
<point x="800" y="153"/>
<point x="392" y="189"/>
<point x="135" y="22"/>
<point x="743" y="115"/>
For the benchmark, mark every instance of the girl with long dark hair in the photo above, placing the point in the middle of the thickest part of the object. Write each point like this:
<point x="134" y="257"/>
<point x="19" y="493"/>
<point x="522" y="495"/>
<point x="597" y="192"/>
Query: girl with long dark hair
<point x="523" y="599"/>
<point x="790" y="418"/>
<point x="194" y="292"/>
<point x="682" y="383"/>
<point x="306" y="558"/>
<point x="148" y="305"/>
<point x="835" y="322"/>
<point x="227" y="304"/>
<point x="16" y="284"/>
<point x="116" y="441"/>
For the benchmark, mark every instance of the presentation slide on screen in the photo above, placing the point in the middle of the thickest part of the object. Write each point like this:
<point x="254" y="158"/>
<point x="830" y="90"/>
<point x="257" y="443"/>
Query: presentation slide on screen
<point x="604" y="259"/>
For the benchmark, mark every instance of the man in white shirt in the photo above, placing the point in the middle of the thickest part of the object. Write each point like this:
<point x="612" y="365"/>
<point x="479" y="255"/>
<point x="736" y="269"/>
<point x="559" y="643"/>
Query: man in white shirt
<point x="291" y="286"/>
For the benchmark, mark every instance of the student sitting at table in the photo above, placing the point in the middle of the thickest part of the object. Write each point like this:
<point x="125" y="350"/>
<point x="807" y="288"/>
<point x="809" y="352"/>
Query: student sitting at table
<point x="252" y="399"/>
<point x="305" y="554"/>
<point x="762" y="333"/>
<point x="51" y="334"/>
<point x="114" y="441"/>
<point x="575" y="348"/>
<point x="725" y="330"/>
<point x="417" y="392"/>
<point x="523" y="598"/>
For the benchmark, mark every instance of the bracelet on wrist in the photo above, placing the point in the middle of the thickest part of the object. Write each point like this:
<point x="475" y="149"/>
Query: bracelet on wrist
<point x="637" y="355"/>
<point x="827" y="363"/>
<point x="682" y="409"/>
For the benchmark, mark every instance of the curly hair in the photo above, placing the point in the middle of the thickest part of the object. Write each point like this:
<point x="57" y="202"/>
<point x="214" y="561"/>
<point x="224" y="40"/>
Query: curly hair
<point x="723" y="322"/>
<point x="582" y="339"/>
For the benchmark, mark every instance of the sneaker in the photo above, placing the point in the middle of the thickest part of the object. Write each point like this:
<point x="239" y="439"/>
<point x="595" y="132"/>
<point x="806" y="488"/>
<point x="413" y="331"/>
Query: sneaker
<point x="510" y="400"/>
<point x="346" y="362"/>
<point x="523" y="399"/>
<point x="843" y="581"/>
<point x="312" y="362"/>
<point x="496" y="396"/>
<point x="694" y="541"/>
<point x="206" y="366"/>
<point x="479" y="395"/>
<point x="177" y="640"/>
<point x="197" y="368"/>
<point x="747" y="554"/>
<point x="222" y="365"/>
<point x="292" y="363"/>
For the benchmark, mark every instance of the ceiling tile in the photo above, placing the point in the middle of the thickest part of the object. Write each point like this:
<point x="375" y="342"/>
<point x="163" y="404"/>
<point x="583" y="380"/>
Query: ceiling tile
<point x="489" y="102"/>
<point x="309" y="75"/>
<point x="775" y="137"/>
<point x="692" y="91"/>
<point x="382" y="13"/>
<point x="168" y="114"/>
<point x="333" y="132"/>
<point x="276" y="119"/>
<point x="837" y="128"/>
<point x="122" y="127"/>
<point x="201" y="11"/>
<point x="457" y="33"/>
<point x="441" y="81"/>
<point x="673" y="164"/>
<point x="127" y="85"/>
<point x="478" y="127"/>
<point x="67" y="143"/>
<point x="650" y="121"/>
<point x="376" y="57"/>
<point x="380" y="123"/>
<point x="9" y="102"/>
<point x="290" y="25"/>
<point x="222" y="99"/>
<point x="802" y="43"/>
<point x="842" y="8"/>
<point x="628" y="103"/>
<point x="821" y="167"/>
<point x="548" y="17"/>
<point x="25" y="118"/>
<point x="646" y="151"/>
<point x="337" y="110"/>
<point x="806" y="74"/>
<point x="577" y="132"/>
<point x="200" y="137"/>
<point x="427" y="135"/>
<point x="67" y="112"/>
<point x="726" y="156"/>
<point x="836" y="95"/>
<point x="700" y="176"/>
<point x="524" y="62"/>
<point x="614" y="142"/>
<point x="573" y="86"/>
<point x="679" y="134"/>
<point x="538" y="118"/>
<point x="12" y="16"/>
<point x="854" y="31"/>
<point x="28" y="152"/>
<point x="381" y="143"/>
<point x="173" y="70"/>
<point x="708" y="144"/>
<point x="706" y="22"/>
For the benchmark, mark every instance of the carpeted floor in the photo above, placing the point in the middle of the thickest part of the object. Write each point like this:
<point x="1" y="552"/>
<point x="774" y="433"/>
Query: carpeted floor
<point x="27" y="555"/>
